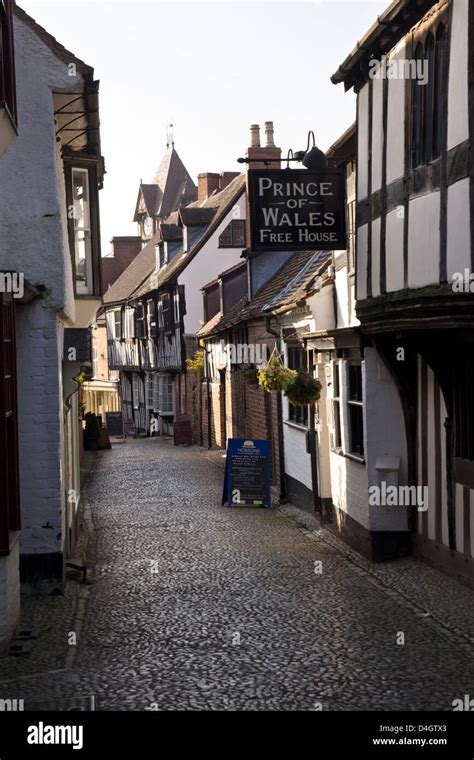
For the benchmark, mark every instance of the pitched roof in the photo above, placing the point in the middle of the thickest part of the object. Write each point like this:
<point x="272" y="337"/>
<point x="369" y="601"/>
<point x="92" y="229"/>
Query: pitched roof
<point x="171" y="186"/>
<point x="59" y="50"/>
<point x="195" y="216"/>
<point x="245" y="310"/>
<point x="390" y="26"/>
<point x="141" y="276"/>
<point x="297" y="289"/>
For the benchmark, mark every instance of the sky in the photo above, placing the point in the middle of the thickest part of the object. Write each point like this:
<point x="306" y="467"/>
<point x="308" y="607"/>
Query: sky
<point x="212" y="69"/>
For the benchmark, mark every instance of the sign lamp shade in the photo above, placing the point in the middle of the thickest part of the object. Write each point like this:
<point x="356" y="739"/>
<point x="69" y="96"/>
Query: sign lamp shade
<point x="312" y="158"/>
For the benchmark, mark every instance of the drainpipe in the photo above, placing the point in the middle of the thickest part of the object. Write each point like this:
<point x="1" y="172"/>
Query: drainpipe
<point x="208" y="388"/>
<point x="281" y="448"/>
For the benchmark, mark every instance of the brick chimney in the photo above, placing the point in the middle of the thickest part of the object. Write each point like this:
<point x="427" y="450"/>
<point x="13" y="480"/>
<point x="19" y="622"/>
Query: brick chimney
<point x="226" y="178"/>
<point x="259" y="154"/>
<point x="263" y="153"/>
<point x="207" y="183"/>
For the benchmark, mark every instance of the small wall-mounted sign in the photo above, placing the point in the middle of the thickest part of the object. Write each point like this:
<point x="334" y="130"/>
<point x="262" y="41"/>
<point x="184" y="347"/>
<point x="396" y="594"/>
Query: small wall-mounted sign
<point x="247" y="473"/>
<point x="297" y="209"/>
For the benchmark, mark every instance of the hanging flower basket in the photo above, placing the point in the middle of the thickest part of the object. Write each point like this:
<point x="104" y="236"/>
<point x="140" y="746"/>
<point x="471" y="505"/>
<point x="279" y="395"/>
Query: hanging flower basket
<point x="275" y="376"/>
<point x="303" y="389"/>
<point x="250" y="374"/>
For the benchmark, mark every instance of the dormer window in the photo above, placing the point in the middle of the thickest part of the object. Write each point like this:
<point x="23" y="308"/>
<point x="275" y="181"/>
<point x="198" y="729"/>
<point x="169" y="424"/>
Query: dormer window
<point x="234" y="235"/>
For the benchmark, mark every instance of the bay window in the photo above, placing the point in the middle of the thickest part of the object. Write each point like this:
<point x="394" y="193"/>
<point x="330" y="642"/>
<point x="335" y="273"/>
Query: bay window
<point x="83" y="218"/>
<point x="82" y="231"/>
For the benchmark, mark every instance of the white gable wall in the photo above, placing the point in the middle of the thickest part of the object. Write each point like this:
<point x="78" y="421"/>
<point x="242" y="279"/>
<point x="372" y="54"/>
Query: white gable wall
<point x="208" y="263"/>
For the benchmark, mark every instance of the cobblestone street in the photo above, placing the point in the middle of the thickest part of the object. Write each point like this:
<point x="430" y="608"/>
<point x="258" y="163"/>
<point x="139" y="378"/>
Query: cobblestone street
<point x="199" y="607"/>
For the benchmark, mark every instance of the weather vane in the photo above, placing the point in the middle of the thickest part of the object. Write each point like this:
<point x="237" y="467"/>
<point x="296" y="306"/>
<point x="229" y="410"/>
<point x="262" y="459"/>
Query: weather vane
<point x="169" y="135"/>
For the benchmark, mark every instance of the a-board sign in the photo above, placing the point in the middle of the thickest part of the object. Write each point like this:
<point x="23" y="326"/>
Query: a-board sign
<point x="114" y="423"/>
<point x="183" y="433"/>
<point x="129" y="428"/>
<point x="247" y="473"/>
<point x="297" y="209"/>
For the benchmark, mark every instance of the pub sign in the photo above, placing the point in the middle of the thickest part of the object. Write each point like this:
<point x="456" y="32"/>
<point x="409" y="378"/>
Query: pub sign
<point x="297" y="209"/>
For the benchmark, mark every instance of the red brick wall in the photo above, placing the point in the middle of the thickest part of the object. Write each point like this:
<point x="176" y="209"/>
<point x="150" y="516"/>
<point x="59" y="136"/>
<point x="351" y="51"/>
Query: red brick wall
<point x="217" y="400"/>
<point x="124" y="250"/>
<point x="243" y="410"/>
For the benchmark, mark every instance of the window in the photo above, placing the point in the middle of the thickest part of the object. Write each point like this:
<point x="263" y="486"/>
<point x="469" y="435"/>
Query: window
<point x="82" y="231"/>
<point x="297" y="360"/>
<point x="176" y="308"/>
<point x="129" y="322"/>
<point x="165" y="313"/>
<point x="336" y="405"/>
<point x="117" y="324"/>
<point x="152" y="318"/>
<point x="355" y="409"/>
<point x="166" y="387"/>
<point x="234" y="235"/>
<point x="427" y="98"/>
<point x="139" y="321"/>
<point x="152" y="392"/>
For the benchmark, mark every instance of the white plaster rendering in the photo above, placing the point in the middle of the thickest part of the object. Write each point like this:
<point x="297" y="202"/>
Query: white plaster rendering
<point x="423" y="241"/>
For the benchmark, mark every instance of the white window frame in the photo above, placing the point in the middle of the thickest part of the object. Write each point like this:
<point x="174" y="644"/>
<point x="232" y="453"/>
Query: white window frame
<point x="85" y="229"/>
<point x="166" y="395"/>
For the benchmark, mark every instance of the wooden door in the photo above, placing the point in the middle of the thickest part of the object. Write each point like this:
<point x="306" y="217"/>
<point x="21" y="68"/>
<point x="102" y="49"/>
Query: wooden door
<point x="9" y="477"/>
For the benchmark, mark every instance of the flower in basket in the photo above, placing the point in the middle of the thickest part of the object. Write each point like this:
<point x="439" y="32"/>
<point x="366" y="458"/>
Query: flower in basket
<point x="303" y="389"/>
<point x="275" y="376"/>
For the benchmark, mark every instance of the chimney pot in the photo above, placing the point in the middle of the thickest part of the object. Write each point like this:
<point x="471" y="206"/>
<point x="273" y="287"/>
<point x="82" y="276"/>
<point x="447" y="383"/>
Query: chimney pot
<point x="255" y="136"/>
<point x="270" y="141"/>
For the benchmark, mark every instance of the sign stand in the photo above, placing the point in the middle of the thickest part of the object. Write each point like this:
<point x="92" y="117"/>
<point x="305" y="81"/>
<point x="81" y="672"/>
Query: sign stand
<point x="247" y="473"/>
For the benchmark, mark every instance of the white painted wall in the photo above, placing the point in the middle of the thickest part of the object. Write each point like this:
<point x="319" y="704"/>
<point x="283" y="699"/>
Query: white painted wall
<point x="394" y="249"/>
<point x="361" y="263"/>
<point x="396" y="119"/>
<point x="376" y="229"/>
<point x="33" y="218"/>
<point x="383" y="412"/>
<point x="362" y="142"/>
<point x="459" y="233"/>
<point x="423" y="241"/>
<point x="458" y="118"/>
<point x="40" y="428"/>
<point x="377" y="133"/>
<point x="206" y="266"/>
<point x="342" y="298"/>
<point x="297" y="460"/>
<point x="349" y="487"/>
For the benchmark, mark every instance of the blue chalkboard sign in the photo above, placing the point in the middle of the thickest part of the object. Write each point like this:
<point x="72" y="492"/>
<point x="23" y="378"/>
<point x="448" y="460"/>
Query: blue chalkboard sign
<point x="247" y="473"/>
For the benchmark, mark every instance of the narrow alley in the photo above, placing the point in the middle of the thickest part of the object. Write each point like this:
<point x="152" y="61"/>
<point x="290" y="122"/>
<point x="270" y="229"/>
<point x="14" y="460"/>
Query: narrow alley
<point x="193" y="606"/>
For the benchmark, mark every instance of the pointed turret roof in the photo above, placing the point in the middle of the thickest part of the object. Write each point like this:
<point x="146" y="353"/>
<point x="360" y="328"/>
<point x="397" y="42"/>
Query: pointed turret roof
<point x="171" y="187"/>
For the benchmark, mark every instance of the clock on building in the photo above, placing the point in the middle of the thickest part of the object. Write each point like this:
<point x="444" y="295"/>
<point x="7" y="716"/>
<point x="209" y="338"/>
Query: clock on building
<point x="148" y="226"/>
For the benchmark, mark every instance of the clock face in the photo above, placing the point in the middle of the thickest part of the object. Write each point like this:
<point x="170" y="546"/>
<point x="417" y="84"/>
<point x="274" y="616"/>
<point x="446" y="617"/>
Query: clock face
<point x="148" y="226"/>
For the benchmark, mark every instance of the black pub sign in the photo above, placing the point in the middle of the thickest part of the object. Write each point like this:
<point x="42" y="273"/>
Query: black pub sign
<point x="297" y="209"/>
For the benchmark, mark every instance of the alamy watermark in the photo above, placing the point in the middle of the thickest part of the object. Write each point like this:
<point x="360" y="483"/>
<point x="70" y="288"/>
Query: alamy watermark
<point x="400" y="68"/>
<point x="12" y="282"/>
<point x="241" y="353"/>
<point x="399" y="496"/>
